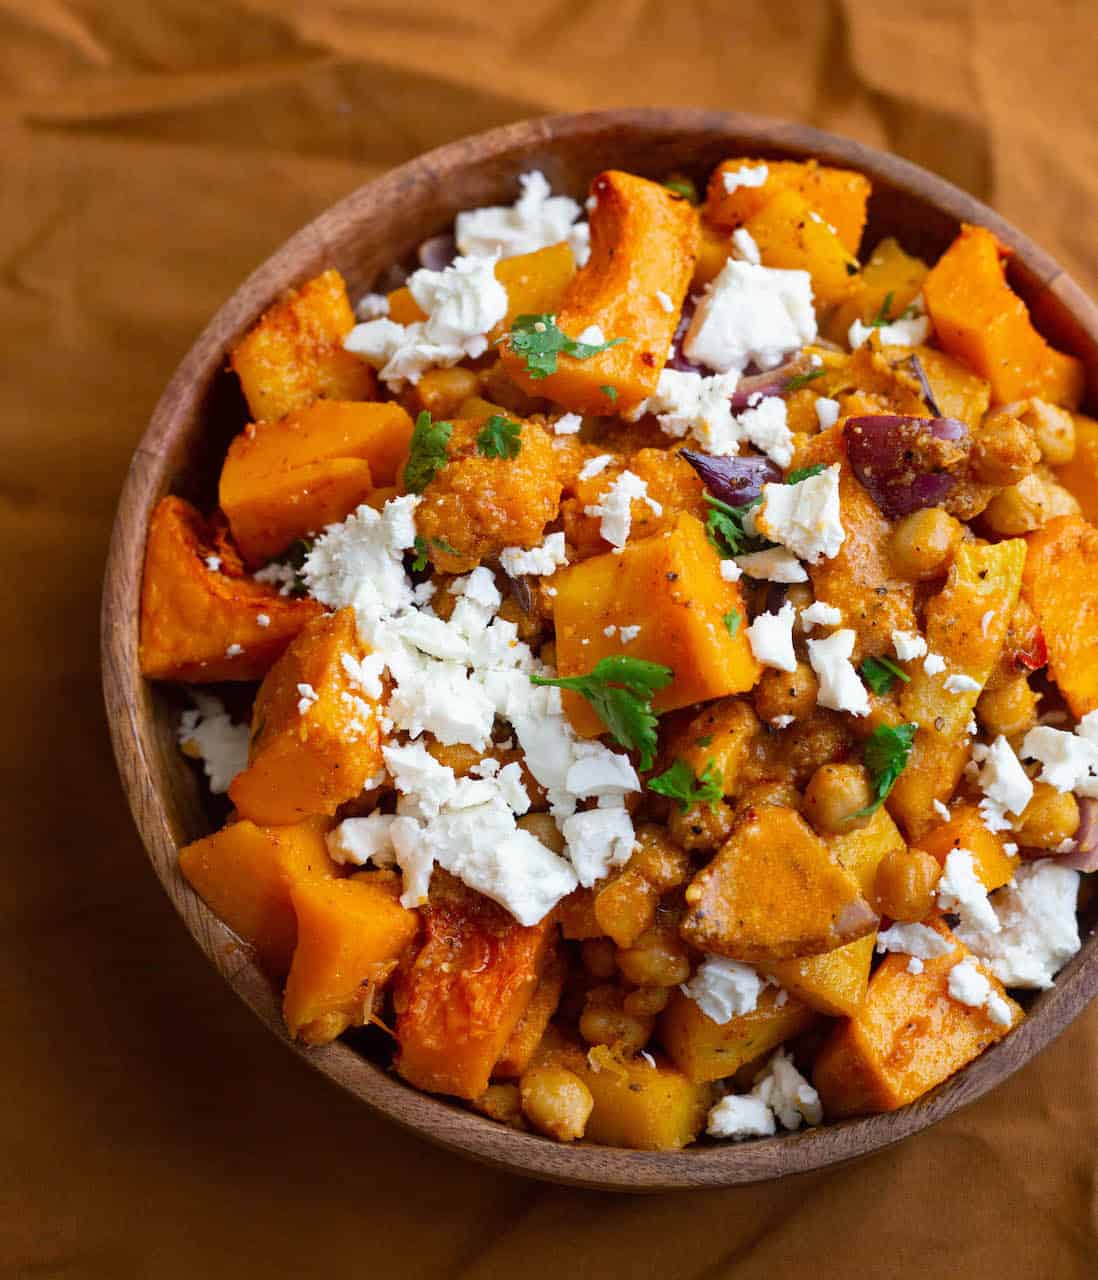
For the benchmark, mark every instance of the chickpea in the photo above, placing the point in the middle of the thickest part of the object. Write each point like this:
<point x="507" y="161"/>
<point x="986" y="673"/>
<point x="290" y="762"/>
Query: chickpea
<point x="786" y="693"/>
<point x="556" y="1102"/>
<point x="833" y="797"/>
<point x="605" y="1021"/>
<point x="1050" y="817"/>
<point x="645" y="1002"/>
<point x="924" y="543"/>
<point x="904" y="884"/>
<point x="658" y="958"/>
<point x="807" y="744"/>
<point x="599" y="957"/>
<point x="1009" y="709"/>
<point x="1053" y="428"/>
<point x="502" y="1102"/>
<point x="626" y="907"/>
<point x="542" y="827"/>
<point x="662" y="863"/>
<point x="441" y="391"/>
<point x="1003" y="450"/>
<point x="1031" y="503"/>
<point x="701" y="827"/>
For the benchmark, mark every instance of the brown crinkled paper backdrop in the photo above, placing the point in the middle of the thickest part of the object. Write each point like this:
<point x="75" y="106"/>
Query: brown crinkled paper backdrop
<point x="153" y="153"/>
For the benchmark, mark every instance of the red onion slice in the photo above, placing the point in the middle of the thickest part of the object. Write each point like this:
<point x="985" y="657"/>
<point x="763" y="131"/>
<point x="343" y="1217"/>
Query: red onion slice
<point x="905" y="463"/>
<point x="733" y="480"/>
<point x="771" y="383"/>
<point x="1084" y="857"/>
<point x="676" y="360"/>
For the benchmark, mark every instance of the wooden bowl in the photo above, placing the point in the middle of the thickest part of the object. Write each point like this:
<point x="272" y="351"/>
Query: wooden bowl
<point x="201" y="409"/>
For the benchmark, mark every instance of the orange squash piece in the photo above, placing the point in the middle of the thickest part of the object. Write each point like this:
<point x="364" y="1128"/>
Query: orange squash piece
<point x="315" y="737"/>
<point x="198" y="622"/>
<point x="350" y="936"/>
<point x="965" y="830"/>
<point x="246" y="875"/>
<point x="774" y="891"/>
<point x="861" y="850"/>
<point x="714" y="249"/>
<point x="979" y="319"/>
<point x="834" y="983"/>
<point x="283" y="480"/>
<point x="908" y="1036"/>
<point x="644" y="241"/>
<point x="1061" y="585"/>
<point x="294" y="355"/>
<point x="706" y="1050"/>
<point x="890" y="274"/>
<point x="670" y="586"/>
<point x="1080" y="476"/>
<point x="792" y="236"/>
<point x="519" y="1050"/>
<point x="839" y="196"/>
<point x="461" y="998"/>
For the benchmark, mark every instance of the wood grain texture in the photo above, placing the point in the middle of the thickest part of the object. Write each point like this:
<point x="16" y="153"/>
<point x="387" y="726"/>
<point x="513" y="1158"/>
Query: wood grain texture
<point x="201" y="409"/>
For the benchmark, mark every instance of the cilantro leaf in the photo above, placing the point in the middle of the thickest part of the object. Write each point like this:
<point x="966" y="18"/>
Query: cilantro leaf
<point x="420" y="562"/>
<point x="881" y="318"/>
<point x="427" y="452"/>
<point x="499" y="438"/>
<point x="444" y="545"/>
<point x="804" y="473"/>
<point x="683" y="187"/>
<point x="620" y="689"/>
<point x="611" y="393"/>
<point x="680" y="783"/>
<point x="731" y="621"/>
<point x="538" y="339"/>
<point x="885" y="753"/>
<point x="799" y="380"/>
<point x="706" y="741"/>
<point x="725" y="528"/>
<point x="880" y="673"/>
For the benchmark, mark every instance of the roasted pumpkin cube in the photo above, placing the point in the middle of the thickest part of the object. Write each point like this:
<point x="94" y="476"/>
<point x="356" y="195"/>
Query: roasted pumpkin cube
<point x="833" y="983"/>
<point x="461" y="998"/>
<point x="1061" y="585"/>
<point x="520" y="1048"/>
<point x="774" y="891"/>
<point x="714" y="248"/>
<point x="282" y="480"/>
<point x="670" y="586"/>
<point x="1080" y="476"/>
<point x="294" y="355"/>
<point x="706" y="1050"/>
<point x="198" y="622"/>
<point x="958" y="392"/>
<point x="350" y="936"/>
<point x="246" y="875"/>
<point x="861" y="850"/>
<point x="908" y="1036"/>
<point x="891" y="275"/>
<point x="839" y="196"/>
<point x="965" y="829"/>
<point x="792" y="236"/>
<point x="315" y="738"/>
<point x="979" y="319"/>
<point x="644" y="240"/>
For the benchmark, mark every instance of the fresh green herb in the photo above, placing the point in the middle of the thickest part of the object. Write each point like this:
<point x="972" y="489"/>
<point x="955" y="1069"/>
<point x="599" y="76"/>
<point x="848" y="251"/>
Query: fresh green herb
<point x="445" y="546"/>
<point x="680" y="783"/>
<point x="420" y="562"/>
<point x="731" y="621"/>
<point x="611" y="393"/>
<point x="499" y="438"/>
<point x="881" y="318"/>
<point x="706" y="741"/>
<point x="885" y="754"/>
<point x="683" y="187"/>
<point x="427" y="454"/>
<point x="538" y="339"/>
<point x="804" y="473"/>
<point x="799" y="380"/>
<point x="880" y="673"/>
<point x="724" y="525"/>
<point x="620" y="689"/>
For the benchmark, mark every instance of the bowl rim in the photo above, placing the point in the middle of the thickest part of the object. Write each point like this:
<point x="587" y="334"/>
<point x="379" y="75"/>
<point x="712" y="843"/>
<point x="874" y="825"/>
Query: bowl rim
<point x="139" y="756"/>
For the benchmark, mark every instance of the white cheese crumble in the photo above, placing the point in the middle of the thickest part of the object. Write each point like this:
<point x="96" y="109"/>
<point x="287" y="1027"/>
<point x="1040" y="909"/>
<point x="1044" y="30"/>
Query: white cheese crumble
<point x="568" y="424"/>
<point x="358" y="841"/>
<point x="263" y="620"/>
<point x="781" y="722"/>
<point x="308" y="696"/>
<point x="744" y="246"/>
<point x="771" y="638"/>
<point x="907" y="331"/>
<point x="918" y="940"/>
<point x="593" y="336"/>
<point x="766" y="426"/>
<point x="731" y="571"/>
<point x="751" y="314"/>
<point x="915" y="966"/>
<point x="909" y="645"/>
<point x="775" y="564"/>
<point x="208" y="729"/>
<point x="934" y="664"/>
<point x="614" y="507"/>
<point x="1069" y="762"/>
<point x="598" y="840"/>
<point x="967" y="985"/>
<point x="664" y="299"/>
<point x="738" y="1116"/>
<point x="234" y="651"/>
<point x="804" y="516"/>
<point x="780" y="1093"/>
<point x="960" y="683"/>
<point x="827" y="412"/>
<point x="536" y="220"/>
<point x="841" y="688"/>
<point x="595" y="466"/>
<point x="747" y="176"/>
<point x="628" y="634"/>
<point x="1003" y="781"/>
<point x="537" y="561"/>
<point x="687" y="403"/>
<point x="213" y="563"/>
<point x="941" y="810"/>
<point x="961" y="890"/>
<point x="372" y="306"/>
<point x="820" y="614"/>
<point x="723" y="989"/>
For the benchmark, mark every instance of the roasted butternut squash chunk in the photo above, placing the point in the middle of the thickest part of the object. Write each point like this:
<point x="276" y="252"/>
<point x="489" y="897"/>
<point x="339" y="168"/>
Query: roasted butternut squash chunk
<point x="714" y="248"/>
<point x="282" y="480"/>
<point x="315" y="737"/>
<point x="246" y="874"/>
<point x="908" y="1036"/>
<point x="1061" y="586"/>
<point x="350" y="936"/>
<point x="860" y="851"/>
<point x="671" y="587"/>
<point x="965" y="829"/>
<point x="462" y="996"/>
<point x="791" y="235"/>
<point x="644" y="241"/>
<point x="706" y="1050"/>
<point x="774" y="891"/>
<point x="295" y="355"/>
<point x="958" y="392"/>
<point x="199" y="623"/>
<point x="520" y="1048"/>
<point x="833" y="983"/>
<point x="839" y="196"/>
<point x="1080" y="475"/>
<point x="891" y="276"/>
<point x="979" y="319"/>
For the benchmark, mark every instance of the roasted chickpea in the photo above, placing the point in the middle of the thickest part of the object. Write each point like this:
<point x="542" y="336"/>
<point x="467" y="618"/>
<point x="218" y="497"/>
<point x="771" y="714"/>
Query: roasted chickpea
<point x="904" y="884"/>
<point x="786" y="693"/>
<point x="814" y="741"/>
<point x="441" y="391"/>
<point x="662" y="863"/>
<point x="658" y="958"/>
<point x="599" y="957"/>
<point x="1053" y="428"/>
<point x="1009" y="709"/>
<point x="542" y="827"/>
<point x="1003" y="450"/>
<point x="834" y="796"/>
<point x="502" y="1102"/>
<point x="556" y="1102"/>
<point x="1050" y="818"/>
<point x="1030" y="504"/>
<point x="605" y="1021"/>
<point x="924" y="543"/>
<point x="646" y="1001"/>
<point x="626" y="907"/>
<point x="702" y="827"/>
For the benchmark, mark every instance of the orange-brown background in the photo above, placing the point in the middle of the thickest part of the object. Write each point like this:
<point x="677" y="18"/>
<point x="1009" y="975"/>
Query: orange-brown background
<point x="153" y="151"/>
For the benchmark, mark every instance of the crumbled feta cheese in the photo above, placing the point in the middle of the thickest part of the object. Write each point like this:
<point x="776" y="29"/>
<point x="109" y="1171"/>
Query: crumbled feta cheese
<point x="909" y="645"/>
<point x="372" y="306"/>
<point x="538" y="561"/>
<point x="738" y="1116"/>
<point x="751" y="314"/>
<point x="781" y="722"/>
<point x="357" y="841"/>
<point x="213" y="563"/>
<point x="688" y="403"/>
<point x="1003" y="781"/>
<point x="595" y="466"/>
<point x="744" y="246"/>
<point x="747" y="176"/>
<point x="961" y="890"/>
<point x="1070" y="762"/>
<point x="827" y="412"/>
<point x="941" y="810"/>
<point x="277" y="574"/>
<point x="723" y="989"/>
<point x="628" y="634"/>
<point x="568" y="424"/>
<point x="308" y="697"/>
<point x="913" y="940"/>
<point x="665" y="301"/>
<point x="593" y="336"/>
<point x="787" y="1093"/>
<point x="598" y="771"/>
<point x="934" y="664"/>
<point x="234" y="651"/>
<point x="771" y="638"/>
<point x="960" y="683"/>
<point x="263" y="620"/>
<point x="841" y="688"/>
<point x="614" y="507"/>
<point x="731" y="571"/>
<point x="907" y="331"/>
<point x="765" y="425"/>
<point x="208" y="729"/>
<point x="915" y="966"/>
<point x="610" y="630"/>
<point x="775" y="564"/>
<point x="967" y="985"/>
<point x="820" y="614"/>
<point x="536" y="220"/>
<point x="598" y="840"/>
<point x="804" y="516"/>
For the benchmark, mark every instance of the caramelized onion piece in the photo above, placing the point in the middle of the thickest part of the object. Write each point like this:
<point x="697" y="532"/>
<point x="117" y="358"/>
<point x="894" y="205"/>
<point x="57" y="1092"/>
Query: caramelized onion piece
<point x="733" y="480"/>
<point x="906" y="463"/>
